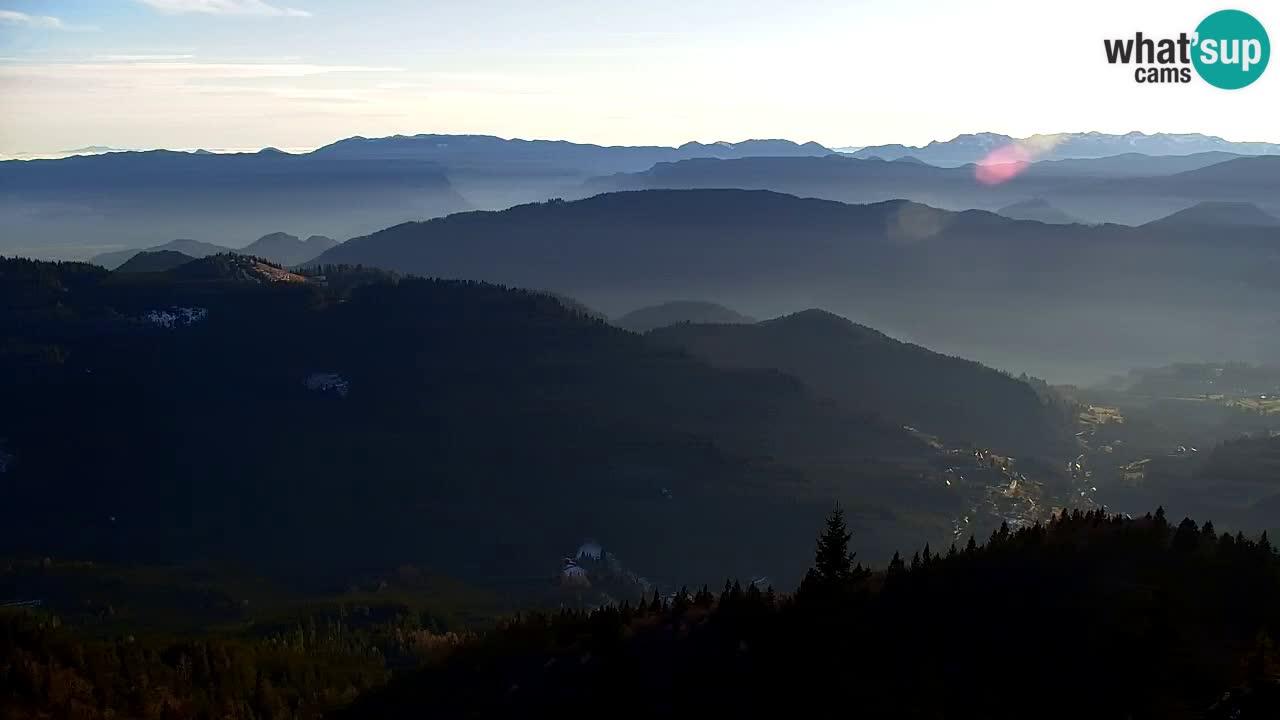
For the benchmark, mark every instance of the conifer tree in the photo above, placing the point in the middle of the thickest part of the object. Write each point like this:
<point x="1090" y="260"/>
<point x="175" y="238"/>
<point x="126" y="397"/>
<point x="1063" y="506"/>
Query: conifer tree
<point x="832" y="562"/>
<point x="896" y="565"/>
<point x="833" y="569"/>
<point x="1208" y="532"/>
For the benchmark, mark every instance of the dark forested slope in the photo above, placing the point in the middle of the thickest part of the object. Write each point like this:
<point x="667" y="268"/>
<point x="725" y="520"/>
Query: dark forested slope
<point x="229" y="409"/>
<point x="863" y="369"/>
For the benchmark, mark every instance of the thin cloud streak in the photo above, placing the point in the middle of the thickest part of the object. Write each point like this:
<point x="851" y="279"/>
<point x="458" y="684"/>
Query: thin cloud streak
<point x="39" y="22"/>
<point x="224" y="7"/>
<point x="140" y="58"/>
<point x="143" y="71"/>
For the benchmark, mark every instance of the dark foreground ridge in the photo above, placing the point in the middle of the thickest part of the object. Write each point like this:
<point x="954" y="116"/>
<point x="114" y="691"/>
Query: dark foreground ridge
<point x="1091" y="615"/>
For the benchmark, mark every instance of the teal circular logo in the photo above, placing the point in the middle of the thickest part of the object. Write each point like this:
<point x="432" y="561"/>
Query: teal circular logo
<point x="1232" y="49"/>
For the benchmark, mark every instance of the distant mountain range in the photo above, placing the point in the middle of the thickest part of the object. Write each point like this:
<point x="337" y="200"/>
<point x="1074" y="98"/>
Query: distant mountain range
<point x="495" y="173"/>
<point x="62" y="208"/>
<point x="288" y="249"/>
<point x="277" y="247"/>
<point x="79" y="206"/>
<point x="68" y="207"/>
<point x="1124" y="165"/>
<point x="1063" y="301"/>
<point x="89" y="150"/>
<point x="516" y="156"/>
<point x="965" y="149"/>
<point x="1130" y="189"/>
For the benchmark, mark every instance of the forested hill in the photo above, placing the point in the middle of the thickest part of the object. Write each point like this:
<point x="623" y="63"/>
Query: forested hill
<point x="1089" y="616"/>
<point x="863" y="369"/>
<point x="1051" y="300"/>
<point x="680" y="311"/>
<point x="229" y="410"/>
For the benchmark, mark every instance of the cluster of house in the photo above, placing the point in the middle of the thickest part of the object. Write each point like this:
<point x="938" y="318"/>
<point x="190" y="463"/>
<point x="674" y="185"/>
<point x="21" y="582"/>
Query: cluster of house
<point x="593" y="568"/>
<point x="176" y="316"/>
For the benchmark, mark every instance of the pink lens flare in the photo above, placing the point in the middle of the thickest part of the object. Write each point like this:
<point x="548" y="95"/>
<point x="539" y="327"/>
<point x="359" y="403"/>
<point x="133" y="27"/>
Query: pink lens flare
<point x="1002" y="164"/>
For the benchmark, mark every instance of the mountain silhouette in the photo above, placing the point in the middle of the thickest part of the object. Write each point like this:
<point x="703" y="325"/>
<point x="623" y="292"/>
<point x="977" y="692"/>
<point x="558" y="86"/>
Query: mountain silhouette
<point x="516" y="156"/>
<point x="680" y="311"/>
<point x="1249" y="176"/>
<point x="1132" y="189"/>
<point x="1037" y="209"/>
<point x="865" y="370"/>
<point x="1208" y="215"/>
<point x="288" y="249"/>
<point x="142" y="198"/>
<point x="154" y="261"/>
<point x="972" y="148"/>
<point x="1133" y="165"/>
<point x="190" y="248"/>
<point x="496" y="173"/>
<point x="1052" y="300"/>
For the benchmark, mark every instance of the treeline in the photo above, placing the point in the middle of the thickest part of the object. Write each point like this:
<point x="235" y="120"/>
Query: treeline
<point x="301" y="670"/>
<point x="1091" y="615"/>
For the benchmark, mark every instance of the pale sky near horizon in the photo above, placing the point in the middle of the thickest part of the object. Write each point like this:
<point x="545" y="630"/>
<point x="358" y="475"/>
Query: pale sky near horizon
<point x="302" y="73"/>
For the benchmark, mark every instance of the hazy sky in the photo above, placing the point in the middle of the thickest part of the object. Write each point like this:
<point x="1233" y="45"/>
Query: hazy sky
<point x="294" y="73"/>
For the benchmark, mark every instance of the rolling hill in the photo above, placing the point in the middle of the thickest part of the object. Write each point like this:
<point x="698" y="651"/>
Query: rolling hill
<point x="1127" y="165"/>
<point x="1130" y="189"/>
<point x="154" y="261"/>
<point x="318" y="430"/>
<point x="278" y="247"/>
<point x="190" y="248"/>
<point x="1208" y="215"/>
<point x="1069" y="302"/>
<point x="1039" y="210"/>
<point x="680" y="311"/>
<point x="233" y="268"/>
<point x="862" y="369"/>
<point x="288" y="249"/>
